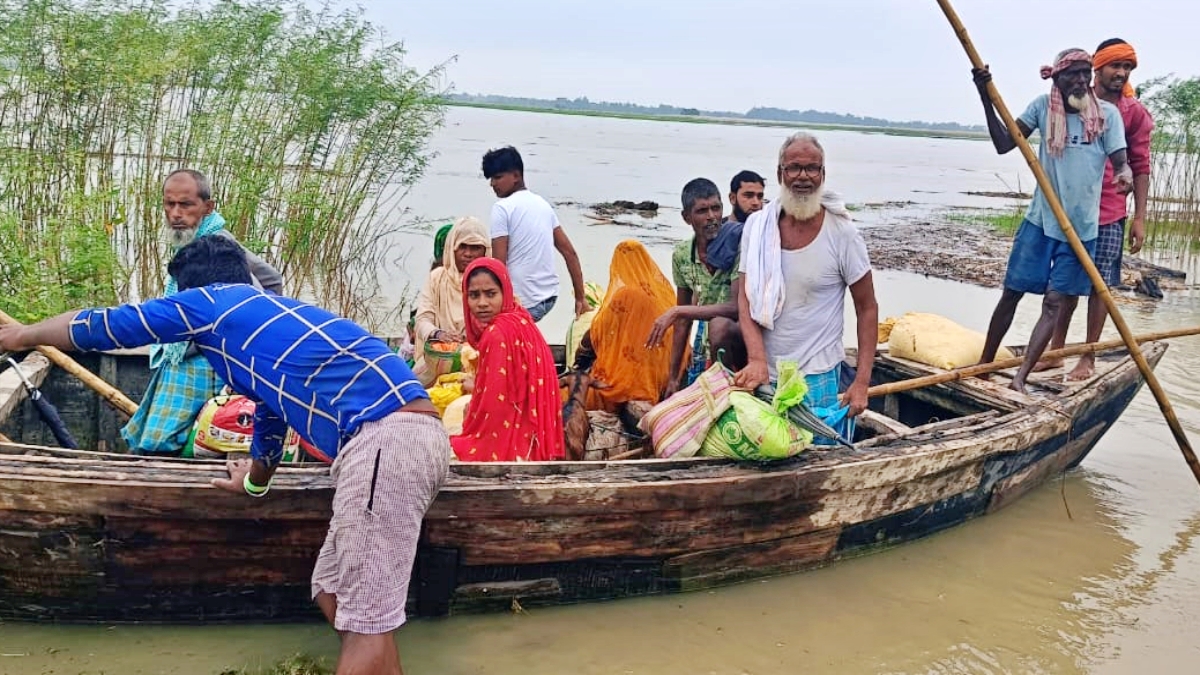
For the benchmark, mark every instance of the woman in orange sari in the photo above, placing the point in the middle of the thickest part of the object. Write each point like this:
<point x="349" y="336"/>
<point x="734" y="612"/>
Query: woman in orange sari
<point x="515" y="413"/>
<point x="637" y="294"/>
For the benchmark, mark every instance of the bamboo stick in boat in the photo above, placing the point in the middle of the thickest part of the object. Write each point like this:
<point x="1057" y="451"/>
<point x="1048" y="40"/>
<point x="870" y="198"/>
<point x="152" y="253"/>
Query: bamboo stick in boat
<point x="1100" y="287"/>
<point x="60" y="359"/>
<point x="971" y="371"/>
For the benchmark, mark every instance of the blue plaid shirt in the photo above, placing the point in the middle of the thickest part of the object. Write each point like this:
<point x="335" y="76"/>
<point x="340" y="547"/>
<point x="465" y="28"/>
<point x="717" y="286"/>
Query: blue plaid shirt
<point x="320" y="374"/>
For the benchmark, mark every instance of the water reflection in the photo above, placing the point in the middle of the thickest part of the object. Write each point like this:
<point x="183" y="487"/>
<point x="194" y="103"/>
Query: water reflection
<point x="1093" y="573"/>
<point x="998" y="596"/>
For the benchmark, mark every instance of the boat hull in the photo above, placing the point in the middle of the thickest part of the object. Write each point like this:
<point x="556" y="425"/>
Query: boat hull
<point x="113" y="538"/>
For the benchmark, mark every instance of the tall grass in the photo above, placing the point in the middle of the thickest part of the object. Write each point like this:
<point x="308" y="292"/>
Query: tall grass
<point x="1174" y="209"/>
<point x="309" y="123"/>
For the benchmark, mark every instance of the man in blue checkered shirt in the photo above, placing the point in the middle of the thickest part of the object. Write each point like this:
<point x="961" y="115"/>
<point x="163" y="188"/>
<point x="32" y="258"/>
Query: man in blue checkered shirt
<point x="326" y="377"/>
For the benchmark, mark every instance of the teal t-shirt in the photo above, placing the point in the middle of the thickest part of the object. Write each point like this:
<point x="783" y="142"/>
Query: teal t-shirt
<point x="1078" y="175"/>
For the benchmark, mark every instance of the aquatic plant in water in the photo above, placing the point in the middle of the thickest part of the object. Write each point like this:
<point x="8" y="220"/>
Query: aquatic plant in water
<point x="309" y="122"/>
<point x="1174" y="208"/>
<point x="296" y="665"/>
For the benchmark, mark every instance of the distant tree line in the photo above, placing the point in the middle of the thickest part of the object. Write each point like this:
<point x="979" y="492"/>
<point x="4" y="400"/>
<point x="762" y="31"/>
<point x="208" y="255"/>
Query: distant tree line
<point x="756" y="113"/>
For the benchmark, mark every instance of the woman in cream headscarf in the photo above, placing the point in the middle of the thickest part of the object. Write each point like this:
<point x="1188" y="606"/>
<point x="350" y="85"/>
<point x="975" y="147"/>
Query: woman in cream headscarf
<point x="440" y="304"/>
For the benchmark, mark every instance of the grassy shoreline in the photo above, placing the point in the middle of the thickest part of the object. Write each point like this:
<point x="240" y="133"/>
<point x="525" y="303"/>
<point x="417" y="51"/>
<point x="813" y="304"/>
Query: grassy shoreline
<point x="731" y="121"/>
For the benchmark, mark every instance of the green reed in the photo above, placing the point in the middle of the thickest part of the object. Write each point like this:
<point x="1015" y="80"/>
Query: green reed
<point x="1174" y="208"/>
<point x="309" y="123"/>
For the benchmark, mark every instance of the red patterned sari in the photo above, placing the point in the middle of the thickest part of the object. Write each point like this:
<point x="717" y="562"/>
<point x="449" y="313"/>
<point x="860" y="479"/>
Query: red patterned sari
<point x="515" y="413"/>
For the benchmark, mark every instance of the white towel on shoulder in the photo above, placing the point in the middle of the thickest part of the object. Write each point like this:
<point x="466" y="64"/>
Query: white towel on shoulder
<point x="762" y="258"/>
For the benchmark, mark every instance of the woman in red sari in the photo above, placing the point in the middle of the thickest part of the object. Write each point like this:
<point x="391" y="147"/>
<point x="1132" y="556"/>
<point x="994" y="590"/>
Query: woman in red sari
<point x="515" y="412"/>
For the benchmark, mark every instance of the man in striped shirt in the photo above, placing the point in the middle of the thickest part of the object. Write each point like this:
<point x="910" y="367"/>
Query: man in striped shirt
<point x="326" y="377"/>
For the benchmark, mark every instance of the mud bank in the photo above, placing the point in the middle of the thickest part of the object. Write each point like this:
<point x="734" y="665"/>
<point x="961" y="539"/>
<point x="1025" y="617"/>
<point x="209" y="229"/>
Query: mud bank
<point x="977" y="254"/>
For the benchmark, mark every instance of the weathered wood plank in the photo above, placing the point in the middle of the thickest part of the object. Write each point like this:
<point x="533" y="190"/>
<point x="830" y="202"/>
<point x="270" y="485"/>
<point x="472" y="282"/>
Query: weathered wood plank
<point x="151" y="532"/>
<point x="509" y="590"/>
<point x="782" y="481"/>
<point x="12" y="391"/>
<point x="1010" y="489"/>
<point x="882" y="424"/>
<point x="173" y="565"/>
<point x="581" y="579"/>
<point x="150" y="539"/>
<point x="167" y="500"/>
<point x="671" y="532"/>
<point x="705" y="569"/>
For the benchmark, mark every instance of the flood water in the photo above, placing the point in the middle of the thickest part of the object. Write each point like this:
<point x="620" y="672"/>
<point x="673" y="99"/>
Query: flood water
<point x="1096" y="572"/>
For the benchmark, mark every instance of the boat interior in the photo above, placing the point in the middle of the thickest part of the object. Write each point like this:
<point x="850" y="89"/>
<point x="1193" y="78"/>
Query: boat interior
<point x="96" y="425"/>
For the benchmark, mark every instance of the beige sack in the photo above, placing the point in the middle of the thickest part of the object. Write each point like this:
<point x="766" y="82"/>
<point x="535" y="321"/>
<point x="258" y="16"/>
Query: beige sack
<point x="452" y="419"/>
<point x="934" y="340"/>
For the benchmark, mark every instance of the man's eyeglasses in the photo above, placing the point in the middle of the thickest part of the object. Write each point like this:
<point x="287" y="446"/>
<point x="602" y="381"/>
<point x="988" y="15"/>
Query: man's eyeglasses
<point x="797" y="170"/>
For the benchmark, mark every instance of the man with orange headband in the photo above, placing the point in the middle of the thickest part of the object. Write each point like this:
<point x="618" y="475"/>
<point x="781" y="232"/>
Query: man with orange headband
<point x="1113" y="62"/>
<point x="1080" y="135"/>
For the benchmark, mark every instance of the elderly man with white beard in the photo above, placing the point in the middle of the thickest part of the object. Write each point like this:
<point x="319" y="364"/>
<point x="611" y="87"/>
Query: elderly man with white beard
<point x="799" y="254"/>
<point x="1080" y="135"/>
<point x="181" y="380"/>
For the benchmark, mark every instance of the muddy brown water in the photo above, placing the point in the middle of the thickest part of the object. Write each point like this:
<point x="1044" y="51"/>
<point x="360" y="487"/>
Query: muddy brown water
<point x="1096" y="572"/>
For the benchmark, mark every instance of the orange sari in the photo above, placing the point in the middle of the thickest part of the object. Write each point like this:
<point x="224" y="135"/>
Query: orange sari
<point x="637" y="295"/>
<point x="515" y="413"/>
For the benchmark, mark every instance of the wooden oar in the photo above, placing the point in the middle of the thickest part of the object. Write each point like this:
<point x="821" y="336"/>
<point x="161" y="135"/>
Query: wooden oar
<point x="58" y="358"/>
<point x="971" y="371"/>
<point x="1098" y="283"/>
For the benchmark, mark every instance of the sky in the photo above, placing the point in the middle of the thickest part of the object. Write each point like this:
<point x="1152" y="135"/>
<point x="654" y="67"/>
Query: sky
<point x="896" y="59"/>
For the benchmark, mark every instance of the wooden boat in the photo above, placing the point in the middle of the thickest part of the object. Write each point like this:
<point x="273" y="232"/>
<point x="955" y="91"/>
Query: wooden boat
<point x="95" y="536"/>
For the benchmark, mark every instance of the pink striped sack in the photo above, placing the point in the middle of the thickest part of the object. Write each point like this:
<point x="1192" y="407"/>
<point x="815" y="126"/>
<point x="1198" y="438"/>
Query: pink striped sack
<point x="678" y="425"/>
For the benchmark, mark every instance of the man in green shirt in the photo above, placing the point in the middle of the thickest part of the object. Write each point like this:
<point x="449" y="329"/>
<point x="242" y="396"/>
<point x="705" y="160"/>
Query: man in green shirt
<point x="703" y="292"/>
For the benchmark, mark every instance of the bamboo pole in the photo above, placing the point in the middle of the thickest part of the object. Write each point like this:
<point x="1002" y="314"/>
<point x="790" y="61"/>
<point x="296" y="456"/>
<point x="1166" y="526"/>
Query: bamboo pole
<point x="984" y="368"/>
<point x="1068" y="229"/>
<point x="60" y="359"/>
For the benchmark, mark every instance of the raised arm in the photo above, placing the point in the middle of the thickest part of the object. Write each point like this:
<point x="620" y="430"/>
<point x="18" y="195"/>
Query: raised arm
<point x="1001" y="138"/>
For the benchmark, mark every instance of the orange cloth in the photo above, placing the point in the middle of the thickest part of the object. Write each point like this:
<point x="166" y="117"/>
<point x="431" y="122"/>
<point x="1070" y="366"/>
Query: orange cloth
<point x="1118" y="52"/>
<point x="637" y="295"/>
<point x="515" y="413"/>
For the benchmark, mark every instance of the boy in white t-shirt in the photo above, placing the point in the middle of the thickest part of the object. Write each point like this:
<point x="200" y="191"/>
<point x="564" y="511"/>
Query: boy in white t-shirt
<point x="525" y="231"/>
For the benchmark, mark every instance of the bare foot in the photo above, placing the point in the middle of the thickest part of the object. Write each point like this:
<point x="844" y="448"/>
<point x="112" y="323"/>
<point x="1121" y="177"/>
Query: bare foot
<point x="1047" y="364"/>
<point x="1083" y="370"/>
<point x="1018" y="385"/>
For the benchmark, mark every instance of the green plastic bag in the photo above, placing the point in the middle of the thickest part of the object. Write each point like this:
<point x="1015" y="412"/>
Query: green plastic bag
<point x="753" y="430"/>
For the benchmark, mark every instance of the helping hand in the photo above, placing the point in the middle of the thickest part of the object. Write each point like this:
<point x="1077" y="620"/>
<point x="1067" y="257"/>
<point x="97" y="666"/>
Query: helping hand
<point x="981" y="76"/>
<point x="671" y="388"/>
<point x="753" y="376"/>
<point x="855" y="397"/>
<point x="11" y="338"/>
<point x="237" y="475"/>
<point x="659" y="330"/>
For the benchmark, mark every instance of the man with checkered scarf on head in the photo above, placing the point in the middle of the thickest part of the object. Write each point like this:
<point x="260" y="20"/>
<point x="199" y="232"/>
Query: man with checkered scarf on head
<point x="1080" y="135"/>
